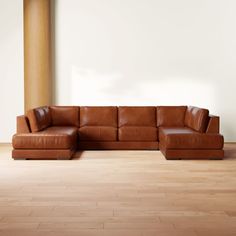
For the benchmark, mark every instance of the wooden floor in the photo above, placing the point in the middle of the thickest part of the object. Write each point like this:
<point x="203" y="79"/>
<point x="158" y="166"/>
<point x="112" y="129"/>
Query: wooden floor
<point x="118" y="193"/>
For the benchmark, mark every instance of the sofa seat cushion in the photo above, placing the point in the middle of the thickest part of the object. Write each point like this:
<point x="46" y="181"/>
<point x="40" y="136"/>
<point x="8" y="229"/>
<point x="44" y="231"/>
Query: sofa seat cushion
<point x="50" y="138"/>
<point x="186" y="138"/>
<point x="137" y="133"/>
<point x="97" y="133"/>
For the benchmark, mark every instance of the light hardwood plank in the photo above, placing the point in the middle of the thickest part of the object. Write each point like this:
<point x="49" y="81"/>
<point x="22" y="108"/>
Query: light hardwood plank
<point x="133" y="193"/>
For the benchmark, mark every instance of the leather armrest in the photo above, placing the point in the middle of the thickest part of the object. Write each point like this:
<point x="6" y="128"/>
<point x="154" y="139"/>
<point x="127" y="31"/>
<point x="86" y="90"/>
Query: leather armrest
<point x="22" y="125"/>
<point x="213" y="124"/>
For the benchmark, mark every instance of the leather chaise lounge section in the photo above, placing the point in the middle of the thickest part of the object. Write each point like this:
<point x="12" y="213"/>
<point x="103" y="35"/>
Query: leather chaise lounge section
<point x="56" y="132"/>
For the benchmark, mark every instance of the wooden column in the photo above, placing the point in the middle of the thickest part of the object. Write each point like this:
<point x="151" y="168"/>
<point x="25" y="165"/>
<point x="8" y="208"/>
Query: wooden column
<point x="37" y="53"/>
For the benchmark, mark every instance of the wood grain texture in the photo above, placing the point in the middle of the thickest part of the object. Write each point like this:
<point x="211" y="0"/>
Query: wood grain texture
<point x="133" y="193"/>
<point x="37" y="53"/>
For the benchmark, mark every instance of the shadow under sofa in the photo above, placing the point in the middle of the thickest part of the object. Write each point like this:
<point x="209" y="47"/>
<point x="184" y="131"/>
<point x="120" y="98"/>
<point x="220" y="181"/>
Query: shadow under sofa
<point x="56" y="132"/>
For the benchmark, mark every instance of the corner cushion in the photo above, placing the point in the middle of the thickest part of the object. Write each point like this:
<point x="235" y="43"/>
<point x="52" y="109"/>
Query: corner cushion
<point x="196" y="118"/>
<point x="39" y="118"/>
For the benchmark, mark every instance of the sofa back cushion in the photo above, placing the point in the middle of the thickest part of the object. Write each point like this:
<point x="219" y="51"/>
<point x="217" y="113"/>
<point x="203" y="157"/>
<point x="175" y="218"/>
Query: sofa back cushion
<point x="196" y="118"/>
<point x="39" y="118"/>
<point x="137" y="116"/>
<point x="65" y="115"/>
<point x="98" y="116"/>
<point x="171" y="116"/>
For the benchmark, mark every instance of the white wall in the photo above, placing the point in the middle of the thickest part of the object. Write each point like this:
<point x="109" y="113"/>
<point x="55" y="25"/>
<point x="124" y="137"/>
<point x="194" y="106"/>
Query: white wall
<point x="130" y="52"/>
<point x="148" y="52"/>
<point x="11" y="66"/>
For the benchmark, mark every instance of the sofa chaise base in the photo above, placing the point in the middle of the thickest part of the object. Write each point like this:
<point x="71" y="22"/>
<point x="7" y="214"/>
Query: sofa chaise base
<point x="193" y="154"/>
<point x="42" y="154"/>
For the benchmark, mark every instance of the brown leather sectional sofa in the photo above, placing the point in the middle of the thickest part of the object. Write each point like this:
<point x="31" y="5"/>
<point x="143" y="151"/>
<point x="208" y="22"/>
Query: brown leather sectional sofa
<point x="56" y="132"/>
